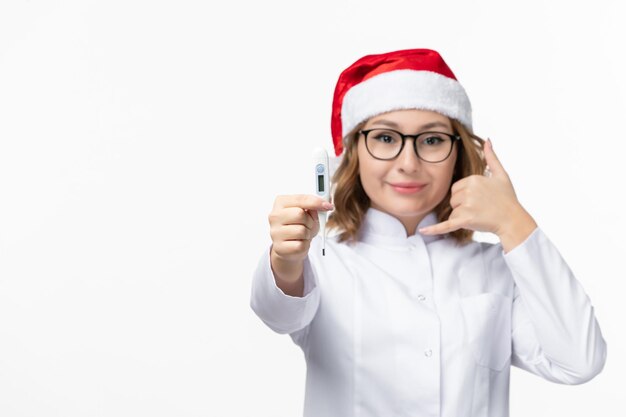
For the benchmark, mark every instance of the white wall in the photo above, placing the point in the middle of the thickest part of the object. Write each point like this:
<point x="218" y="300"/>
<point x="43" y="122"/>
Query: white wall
<point x="142" y="144"/>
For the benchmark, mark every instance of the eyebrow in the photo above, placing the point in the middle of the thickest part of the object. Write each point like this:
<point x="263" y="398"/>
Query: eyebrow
<point x="396" y="126"/>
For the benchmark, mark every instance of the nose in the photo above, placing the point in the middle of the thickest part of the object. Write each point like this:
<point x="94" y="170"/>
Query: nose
<point x="408" y="160"/>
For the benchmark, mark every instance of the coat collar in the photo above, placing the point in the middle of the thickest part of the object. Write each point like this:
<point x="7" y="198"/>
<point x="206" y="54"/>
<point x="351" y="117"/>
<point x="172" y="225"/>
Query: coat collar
<point x="382" y="228"/>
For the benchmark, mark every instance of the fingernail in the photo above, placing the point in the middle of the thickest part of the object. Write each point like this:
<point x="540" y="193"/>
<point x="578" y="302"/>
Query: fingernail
<point x="328" y="206"/>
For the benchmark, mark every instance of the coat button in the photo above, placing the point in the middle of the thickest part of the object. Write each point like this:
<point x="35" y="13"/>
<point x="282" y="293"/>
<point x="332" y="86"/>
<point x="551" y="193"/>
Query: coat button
<point x="428" y="353"/>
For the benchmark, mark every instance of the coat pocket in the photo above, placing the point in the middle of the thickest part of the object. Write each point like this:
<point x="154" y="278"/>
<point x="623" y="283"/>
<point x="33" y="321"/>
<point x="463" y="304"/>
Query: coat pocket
<point x="488" y="328"/>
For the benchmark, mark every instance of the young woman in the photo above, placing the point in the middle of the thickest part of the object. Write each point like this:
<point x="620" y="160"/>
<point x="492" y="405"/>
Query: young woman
<point x="406" y="315"/>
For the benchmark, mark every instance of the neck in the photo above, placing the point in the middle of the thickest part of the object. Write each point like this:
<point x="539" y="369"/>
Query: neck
<point x="410" y="222"/>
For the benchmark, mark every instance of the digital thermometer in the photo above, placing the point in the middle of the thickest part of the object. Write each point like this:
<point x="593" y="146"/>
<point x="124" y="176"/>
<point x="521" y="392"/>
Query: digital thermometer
<point x="322" y="186"/>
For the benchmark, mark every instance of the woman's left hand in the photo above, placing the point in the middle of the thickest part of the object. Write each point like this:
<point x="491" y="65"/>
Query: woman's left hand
<point x="487" y="204"/>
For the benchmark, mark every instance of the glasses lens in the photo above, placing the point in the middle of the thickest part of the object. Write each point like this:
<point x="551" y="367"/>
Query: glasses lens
<point x="433" y="146"/>
<point x="383" y="144"/>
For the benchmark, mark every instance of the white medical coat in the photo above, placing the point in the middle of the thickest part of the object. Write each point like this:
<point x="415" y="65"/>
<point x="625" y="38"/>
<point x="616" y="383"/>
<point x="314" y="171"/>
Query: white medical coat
<point x="418" y="326"/>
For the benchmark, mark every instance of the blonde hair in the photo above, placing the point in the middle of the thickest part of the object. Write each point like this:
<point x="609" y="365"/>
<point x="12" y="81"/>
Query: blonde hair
<point x="351" y="202"/>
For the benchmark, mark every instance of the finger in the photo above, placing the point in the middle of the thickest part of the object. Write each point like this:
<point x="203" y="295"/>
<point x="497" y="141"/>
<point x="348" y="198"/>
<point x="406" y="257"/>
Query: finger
<point x="459" y="185"/>
<point x="289" y="247"/>
<point x="465" y="182"/>
<point x="296" y="215"/>
<point x="313" y="215"/>
<point x="295" y="232"/>
<point x="305" y="201"/>
<point x="315" y="221"/>
<point x="495" y="167"/>
<point x="457" y="198"/>
<point x="447" y="226"/>
<point x="291" y="215"/>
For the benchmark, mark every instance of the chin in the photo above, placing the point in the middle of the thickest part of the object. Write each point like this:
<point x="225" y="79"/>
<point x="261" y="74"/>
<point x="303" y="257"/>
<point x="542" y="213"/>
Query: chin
<point x="405" y="206"/>
<point x="408" y="210"/>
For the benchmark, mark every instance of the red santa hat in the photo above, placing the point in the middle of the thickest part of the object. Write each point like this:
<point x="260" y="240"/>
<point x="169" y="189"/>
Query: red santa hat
<point x="405" y="79"/>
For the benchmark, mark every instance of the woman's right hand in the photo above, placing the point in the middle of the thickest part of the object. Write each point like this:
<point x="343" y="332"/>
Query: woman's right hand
<point x="293" y="223"/>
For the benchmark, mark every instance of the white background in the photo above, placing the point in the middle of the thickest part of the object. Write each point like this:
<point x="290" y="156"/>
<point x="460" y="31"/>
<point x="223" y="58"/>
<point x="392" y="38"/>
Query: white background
<point x="142" y="144"/>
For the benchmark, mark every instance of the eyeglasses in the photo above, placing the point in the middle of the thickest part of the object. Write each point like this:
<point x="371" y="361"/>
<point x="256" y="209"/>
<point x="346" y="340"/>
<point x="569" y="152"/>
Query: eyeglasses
<point x="386" y="144"/>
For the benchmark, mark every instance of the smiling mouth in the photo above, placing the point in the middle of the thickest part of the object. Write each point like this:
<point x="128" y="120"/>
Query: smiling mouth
<point x="408" y="188"/>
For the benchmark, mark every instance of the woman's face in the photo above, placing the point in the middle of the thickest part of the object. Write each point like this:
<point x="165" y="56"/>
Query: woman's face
<point x="383" y="180"/>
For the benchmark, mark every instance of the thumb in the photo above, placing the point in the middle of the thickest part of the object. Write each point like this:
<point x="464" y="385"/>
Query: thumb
<point x="492" y="160"/>
<point x="313" y="214"/>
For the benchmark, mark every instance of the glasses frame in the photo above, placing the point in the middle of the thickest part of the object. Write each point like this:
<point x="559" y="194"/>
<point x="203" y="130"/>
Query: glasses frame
<point x="452" y="137"/>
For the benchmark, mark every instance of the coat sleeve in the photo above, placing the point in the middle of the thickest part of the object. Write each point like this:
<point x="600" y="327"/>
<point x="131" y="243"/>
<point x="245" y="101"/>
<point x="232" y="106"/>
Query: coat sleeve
<point x="555" y="333"/>
<point x="281" y="312"/>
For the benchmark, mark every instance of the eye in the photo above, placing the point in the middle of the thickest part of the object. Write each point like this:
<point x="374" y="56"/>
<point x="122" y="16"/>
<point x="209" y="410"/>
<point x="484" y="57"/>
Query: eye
<point x="433" y="139"/>
<point x="385" y="137"/>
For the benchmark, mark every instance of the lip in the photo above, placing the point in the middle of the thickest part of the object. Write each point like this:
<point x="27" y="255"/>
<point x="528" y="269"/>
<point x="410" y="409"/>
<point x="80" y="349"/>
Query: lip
<point x="407" y="187"/>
